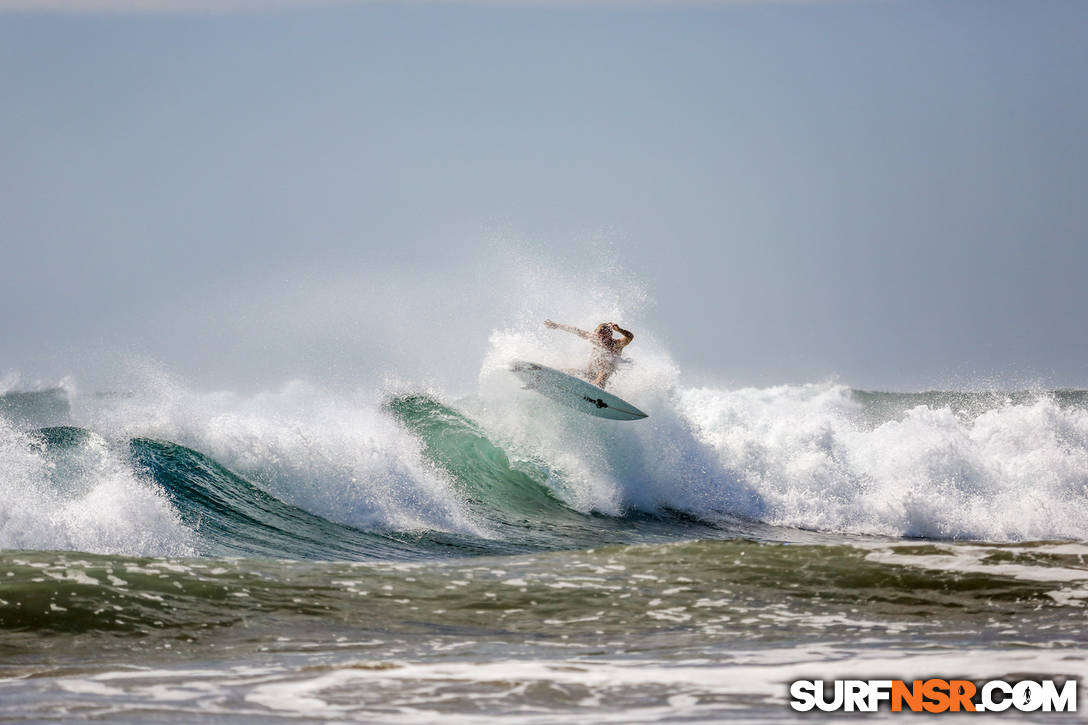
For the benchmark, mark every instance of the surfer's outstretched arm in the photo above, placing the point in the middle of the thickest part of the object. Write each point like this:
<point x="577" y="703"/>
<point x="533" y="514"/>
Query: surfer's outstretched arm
<point x="569" y="328"/>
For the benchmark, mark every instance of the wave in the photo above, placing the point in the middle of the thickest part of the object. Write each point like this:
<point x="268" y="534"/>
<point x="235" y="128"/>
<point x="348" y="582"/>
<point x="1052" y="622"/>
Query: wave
<point x="233" y="517"/>
<point x="522" y="498"/>
<point x="987" y="466"/>
<point x="982" y="466"/>
<point x="305" y="472"/>
<point x="209" y="510"/>
<point x="336" y="455"/>
<point x="68" y="488"/>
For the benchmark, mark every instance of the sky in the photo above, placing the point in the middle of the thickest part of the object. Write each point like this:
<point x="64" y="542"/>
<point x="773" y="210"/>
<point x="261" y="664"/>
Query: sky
<point x="888" y="194"/>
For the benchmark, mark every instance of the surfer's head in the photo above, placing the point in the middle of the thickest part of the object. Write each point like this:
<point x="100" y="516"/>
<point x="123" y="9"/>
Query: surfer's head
<point x="603" y="330"/>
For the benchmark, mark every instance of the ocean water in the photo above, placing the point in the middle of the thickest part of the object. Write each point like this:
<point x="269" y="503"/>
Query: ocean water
<point x="400" y="553"/>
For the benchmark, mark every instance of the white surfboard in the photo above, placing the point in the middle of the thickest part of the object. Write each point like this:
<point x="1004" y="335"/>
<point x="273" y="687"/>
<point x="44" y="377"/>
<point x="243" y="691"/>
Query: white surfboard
<point x="574" y="392"/>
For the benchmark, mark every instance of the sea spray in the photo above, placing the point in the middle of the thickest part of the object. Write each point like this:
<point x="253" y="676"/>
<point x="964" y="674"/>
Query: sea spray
<point x="996" y="470"/>
<point x="504" y="469"/>
<point x="64" y="488"/>
<point x="335" y="454"/>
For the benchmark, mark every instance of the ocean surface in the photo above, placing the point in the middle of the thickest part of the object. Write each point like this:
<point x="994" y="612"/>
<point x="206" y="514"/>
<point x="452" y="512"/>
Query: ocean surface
<point x="399" y="554"/>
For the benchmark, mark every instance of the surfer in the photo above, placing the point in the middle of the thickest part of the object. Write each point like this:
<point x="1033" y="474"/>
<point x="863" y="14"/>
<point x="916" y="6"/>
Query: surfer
<point x="606" y="349"/>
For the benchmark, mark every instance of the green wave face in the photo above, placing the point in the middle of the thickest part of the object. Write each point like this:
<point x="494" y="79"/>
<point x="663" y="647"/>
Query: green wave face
<point x="513" y="499"/>
<point x="484" y="473"/>
<point x="234" y="517"/>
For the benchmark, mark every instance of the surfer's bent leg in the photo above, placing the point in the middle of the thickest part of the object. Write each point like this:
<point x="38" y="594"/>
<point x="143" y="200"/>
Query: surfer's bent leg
<point x="579" y="373"/>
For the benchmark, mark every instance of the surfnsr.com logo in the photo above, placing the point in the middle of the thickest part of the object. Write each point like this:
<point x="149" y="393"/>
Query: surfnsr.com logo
<point x="934" y="695"/>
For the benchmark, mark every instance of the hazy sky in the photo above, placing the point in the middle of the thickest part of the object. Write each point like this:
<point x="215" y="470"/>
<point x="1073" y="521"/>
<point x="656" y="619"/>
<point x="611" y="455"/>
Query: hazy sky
<point x="893" y="193"/>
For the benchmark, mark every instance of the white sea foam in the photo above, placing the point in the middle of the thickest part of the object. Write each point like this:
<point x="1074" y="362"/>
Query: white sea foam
<point x="84" y="497"/>
<point x="750" y="686"/>
<point x="1013" y="472"/>
<point x="336" y="455"/>
<point x="807" y="456"/>
<point x="602" y="465"/>
<point x="968" y="559"/>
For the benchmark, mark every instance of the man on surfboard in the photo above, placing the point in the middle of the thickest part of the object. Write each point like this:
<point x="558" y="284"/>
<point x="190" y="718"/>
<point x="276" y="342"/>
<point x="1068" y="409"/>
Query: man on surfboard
<point x="606" y="349"/>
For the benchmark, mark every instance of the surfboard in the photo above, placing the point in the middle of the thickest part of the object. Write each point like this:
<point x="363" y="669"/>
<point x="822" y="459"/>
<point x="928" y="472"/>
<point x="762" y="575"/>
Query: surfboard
<point x="574" y="392"/>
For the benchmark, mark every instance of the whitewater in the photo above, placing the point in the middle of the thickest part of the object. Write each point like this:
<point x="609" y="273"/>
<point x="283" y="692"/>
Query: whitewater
<point x="391" y="550"/>
<point x="984" y="466"/>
